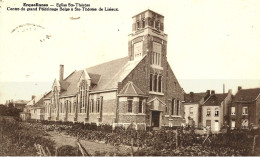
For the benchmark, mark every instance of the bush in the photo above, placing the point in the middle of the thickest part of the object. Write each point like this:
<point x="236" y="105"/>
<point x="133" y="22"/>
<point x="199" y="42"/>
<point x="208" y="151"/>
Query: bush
<point x="67" y="150"/>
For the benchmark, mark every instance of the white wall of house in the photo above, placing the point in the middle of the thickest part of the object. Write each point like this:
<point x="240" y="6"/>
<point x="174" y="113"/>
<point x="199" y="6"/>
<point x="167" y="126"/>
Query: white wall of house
<point x="214" y="121"/>
<point x="192" y="111"/>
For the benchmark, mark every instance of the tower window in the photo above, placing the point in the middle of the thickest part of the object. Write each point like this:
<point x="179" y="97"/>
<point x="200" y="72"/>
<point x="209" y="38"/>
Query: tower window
<point x="143" y="23"/>
<point x="138" y="49"/>
<point x="157" y="49"/>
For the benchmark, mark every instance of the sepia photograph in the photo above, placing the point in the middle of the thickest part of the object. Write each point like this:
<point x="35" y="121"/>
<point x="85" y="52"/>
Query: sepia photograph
<point x="129" y="78"/>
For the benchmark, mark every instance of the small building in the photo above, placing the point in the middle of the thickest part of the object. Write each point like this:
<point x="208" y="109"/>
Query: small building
<point x="214" y="109"/>
<point x="19" y="104"/>
<point x="34" y="109"/>
<point x="193" y="107"/>
<point x="245" y="109"/>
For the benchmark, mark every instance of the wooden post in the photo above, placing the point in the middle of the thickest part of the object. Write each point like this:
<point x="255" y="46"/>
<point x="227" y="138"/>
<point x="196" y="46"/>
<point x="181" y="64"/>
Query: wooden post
<point x="132" y="149"/>
<point x="253" y="149"/>
<point x="177" y="138"/>
<point x="56" y="151"/>
<point x="49" y="153"/>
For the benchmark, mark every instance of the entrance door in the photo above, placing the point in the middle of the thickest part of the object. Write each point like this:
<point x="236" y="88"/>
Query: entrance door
<point x="216" y="125"/>
<point x="155" y="118"/>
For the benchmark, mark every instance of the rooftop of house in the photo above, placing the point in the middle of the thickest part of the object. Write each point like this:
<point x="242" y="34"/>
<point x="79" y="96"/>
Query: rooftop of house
<point x="194" y="97"/>
<point x="247" y="95"/>
<point x="215" y="99"/>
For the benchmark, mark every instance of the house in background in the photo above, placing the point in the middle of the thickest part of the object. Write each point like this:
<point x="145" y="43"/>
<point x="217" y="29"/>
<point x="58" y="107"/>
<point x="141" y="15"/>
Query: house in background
<point x="34" y="109"/>
<point x="19" y="104"/>
<point x="245" y="109"/>
<point x="214" y="109"/>
<point x="140" y="88"/>
<point x="193" y="107"/>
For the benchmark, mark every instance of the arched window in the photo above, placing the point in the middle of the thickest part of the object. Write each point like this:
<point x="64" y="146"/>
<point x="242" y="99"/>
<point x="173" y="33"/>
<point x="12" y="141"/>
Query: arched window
<point x="82" y="95"/>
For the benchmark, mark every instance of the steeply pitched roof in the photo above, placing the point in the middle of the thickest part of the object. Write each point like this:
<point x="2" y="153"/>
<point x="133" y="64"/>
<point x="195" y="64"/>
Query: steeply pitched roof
<point x="130" y="89"/>
<point x="104" y="76"/>
<point x="247" y="94"/>
<point x="112" y="72"/>
<point x="215" y="100"/>
<point x="193" y="97"/>
<point x="73" y="81"/>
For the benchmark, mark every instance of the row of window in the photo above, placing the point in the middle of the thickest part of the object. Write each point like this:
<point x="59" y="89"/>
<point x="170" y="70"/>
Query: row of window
<point x="155" y="83"/>
<point x="244" y="110"/>
<point x="209" y="112"/>
<point x="98" y="104"/>
<point x="72" y="108"/>
<point x="130" y="105"/>
<point x="156" y="24"/>
<point x="175" y="107"/>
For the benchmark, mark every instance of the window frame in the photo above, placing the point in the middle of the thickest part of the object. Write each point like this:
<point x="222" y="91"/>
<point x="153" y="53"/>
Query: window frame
<point x="245" y="110"/>
<point x="130" y="105"/>
<point x="208" y="113"/>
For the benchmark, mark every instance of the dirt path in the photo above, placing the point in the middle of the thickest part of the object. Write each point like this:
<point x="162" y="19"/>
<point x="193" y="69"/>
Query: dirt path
<point x="91" y="147"/>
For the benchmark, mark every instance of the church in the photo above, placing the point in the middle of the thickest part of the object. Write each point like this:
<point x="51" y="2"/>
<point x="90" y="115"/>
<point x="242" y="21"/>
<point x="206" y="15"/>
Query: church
<point x="140" y="88"/>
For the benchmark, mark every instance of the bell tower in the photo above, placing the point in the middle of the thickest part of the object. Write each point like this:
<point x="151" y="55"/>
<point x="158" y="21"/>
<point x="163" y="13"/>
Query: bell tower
<point x="148" y="38"/>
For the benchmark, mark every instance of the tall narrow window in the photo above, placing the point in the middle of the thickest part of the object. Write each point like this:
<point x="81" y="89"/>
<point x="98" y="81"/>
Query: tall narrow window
<point x="70" y="109"/>
<point x="155" y="82"/>
<point x="82" y="95"/>
<point x="130" y="104"/>
<point x="178" y="107"/>
<point x="151" y="82"/>
<point x="98" y="105"/>
<point x="60" y="107"/>
<point x="157" y="50"/>
<point x="160" y="84"/>
<point x="140" y="109"/>
<point x="92" y="105"/>
<point x="143" y="21"/>
<point x="173" y="106"/>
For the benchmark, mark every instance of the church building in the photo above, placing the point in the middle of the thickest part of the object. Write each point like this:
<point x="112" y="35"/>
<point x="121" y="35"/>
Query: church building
<point x="140" y="88"/>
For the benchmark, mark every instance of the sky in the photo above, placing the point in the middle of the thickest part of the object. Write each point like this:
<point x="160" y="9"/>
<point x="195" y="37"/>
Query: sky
<point x="210" y="42"/>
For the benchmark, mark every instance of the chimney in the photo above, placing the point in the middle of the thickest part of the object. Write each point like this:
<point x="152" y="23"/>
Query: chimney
<point x="212" y="92"/>
<point x="192" y="95"/>
<point x="61" y="72"/>
<point x="208" y="92"/>
<point x="33" y="96"/>
<point x="239" y="88"/>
